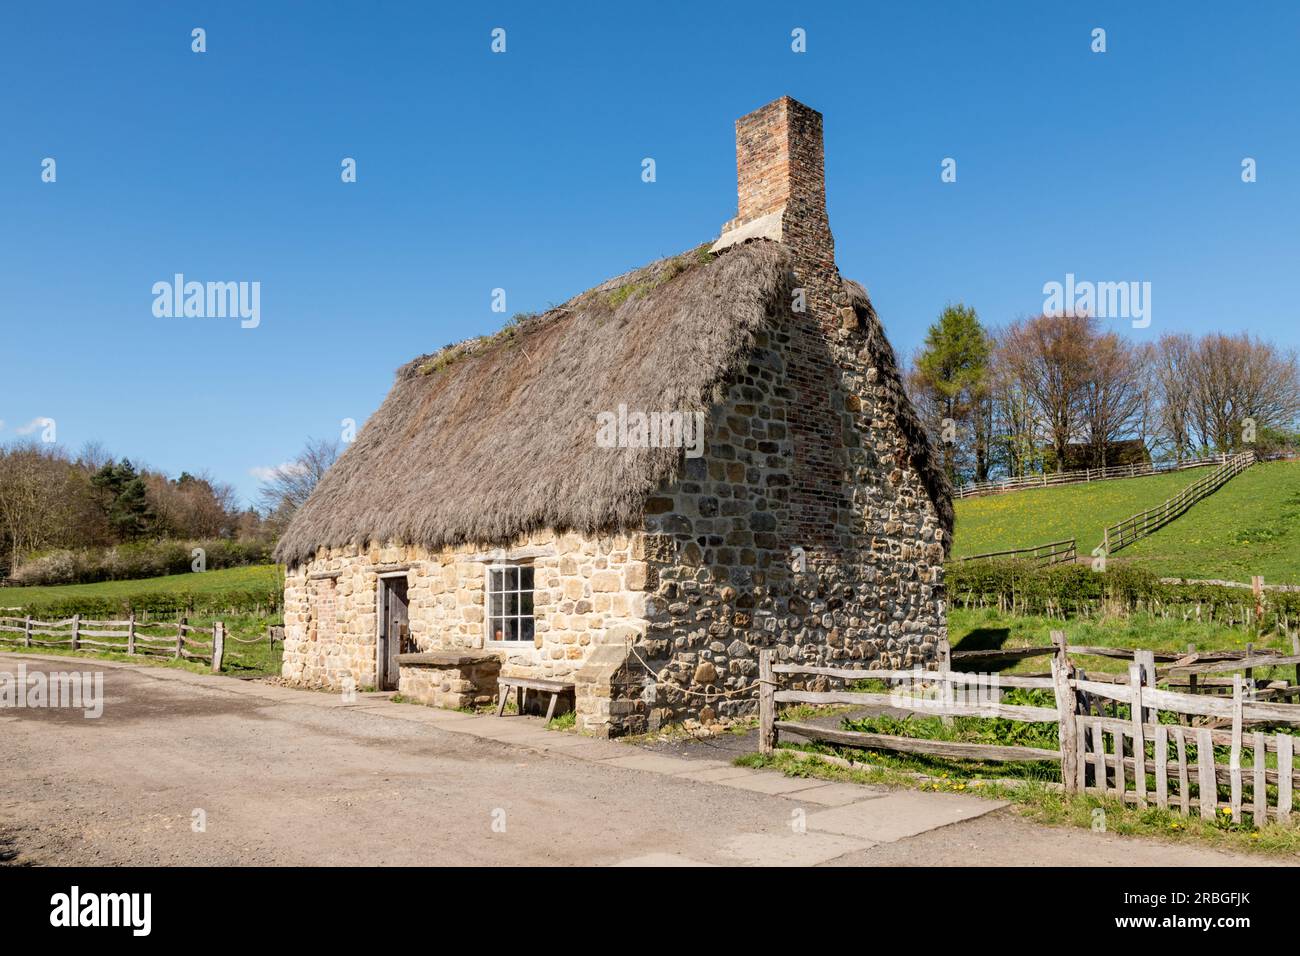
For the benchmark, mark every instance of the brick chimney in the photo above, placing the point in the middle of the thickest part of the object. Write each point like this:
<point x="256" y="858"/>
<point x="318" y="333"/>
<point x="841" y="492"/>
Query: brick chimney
<point x="781" y="185"/>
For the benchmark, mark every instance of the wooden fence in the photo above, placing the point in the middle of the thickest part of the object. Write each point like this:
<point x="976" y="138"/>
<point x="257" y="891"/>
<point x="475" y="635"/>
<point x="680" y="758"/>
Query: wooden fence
<point x="978" y="489"/>
<point x="1043" y="555"/>
<point x="1134" y="757"/>
<point x="159" y="638"/>
<point x="1138" y="526"/>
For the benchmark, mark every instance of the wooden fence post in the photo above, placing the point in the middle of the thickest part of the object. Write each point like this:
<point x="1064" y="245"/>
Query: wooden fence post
<point x="1147" y="661"/>
<point x="766" y="703"/>
<point x="1257" y="588"/>
<point x="1065" y="708"/>
<point x="27" y="634"/>
<point x="1136" y="712"/>
<point x="180" y="637"/>
<point x="130" y="633"/>
<point x="1295" y="649"/>
<point x="76" y="631"/>
<point x="1284" y="752"/>
<point x="1234" y="760"/>
<point x="218" y="645"/>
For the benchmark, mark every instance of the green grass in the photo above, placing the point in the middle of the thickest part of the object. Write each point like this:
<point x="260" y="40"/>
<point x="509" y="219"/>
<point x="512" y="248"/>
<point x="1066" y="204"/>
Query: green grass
<point x="207" y="582"/>
<point x="1029" y="786"/>
<point x="1021" y="519"/>
<point x="1249" y="526"/>
<point x="987" y="629"/>
<point x="1040" y="802"/>
<point x="247" y="652"/>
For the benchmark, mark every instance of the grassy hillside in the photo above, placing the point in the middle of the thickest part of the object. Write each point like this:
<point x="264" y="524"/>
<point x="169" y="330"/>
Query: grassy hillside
<point x="1021" y="519"/>
<point x="253" y="577"/>
<point x="1249" y="526"/>
<point x="248" y="653"/>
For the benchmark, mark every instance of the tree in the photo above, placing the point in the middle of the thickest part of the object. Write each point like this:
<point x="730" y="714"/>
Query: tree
<point x="950" y="375"/>
<point x="33" y="498"/>
<point x="1015" y="425"/>
<point x="1235" y="379"/>
<point x="287" y="487"/>
<point x="1171" y="372"/>
<point x="1049" y="355"/>
<point x="125" y="500"/>
<point x="1112" y="395"/>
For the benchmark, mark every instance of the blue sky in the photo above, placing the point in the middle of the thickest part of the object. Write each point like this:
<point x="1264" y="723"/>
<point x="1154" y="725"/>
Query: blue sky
<point x="522" y="171"/>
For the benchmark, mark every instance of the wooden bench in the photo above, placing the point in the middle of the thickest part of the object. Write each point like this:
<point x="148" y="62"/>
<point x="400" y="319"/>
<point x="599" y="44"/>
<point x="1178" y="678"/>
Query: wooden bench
<point x="522" y="685"/>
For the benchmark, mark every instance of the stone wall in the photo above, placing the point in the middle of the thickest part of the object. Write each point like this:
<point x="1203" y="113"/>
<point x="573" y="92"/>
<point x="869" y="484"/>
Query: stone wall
<point x="472" y="683"/>
<point x="866" y="586"/>
<point x="584" y="586"/>
<point x="805" y="526"/>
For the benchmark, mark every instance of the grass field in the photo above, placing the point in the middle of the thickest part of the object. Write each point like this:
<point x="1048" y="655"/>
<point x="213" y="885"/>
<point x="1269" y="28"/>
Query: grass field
<point x="1021" y="519"/>
<point x="987" y="629"/>
<point x="1249" y="526"/>
<point x="248" y="654"/>
<point x="207" y="582"/>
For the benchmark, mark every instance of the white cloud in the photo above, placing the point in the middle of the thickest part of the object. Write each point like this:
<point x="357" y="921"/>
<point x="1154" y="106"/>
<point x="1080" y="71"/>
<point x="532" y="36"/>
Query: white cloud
<point x="31" y="426"/>
<point x="267" y="472"/>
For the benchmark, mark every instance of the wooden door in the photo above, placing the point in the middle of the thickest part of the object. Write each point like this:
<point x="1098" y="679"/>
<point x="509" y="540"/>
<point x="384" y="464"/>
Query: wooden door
<point x="392" y="630"/>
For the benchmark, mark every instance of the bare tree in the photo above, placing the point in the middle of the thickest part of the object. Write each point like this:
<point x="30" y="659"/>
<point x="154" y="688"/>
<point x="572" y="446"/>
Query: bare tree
<point x="34" y="498"/>
<point x="1050" y="359"/>
<point x="1238" y="378"/>
<point x="1112" y="396"/>
<point x="287" y="487"/>
<point x="1172" y="375"/>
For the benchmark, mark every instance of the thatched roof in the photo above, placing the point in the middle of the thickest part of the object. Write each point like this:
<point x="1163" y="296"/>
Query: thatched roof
<point x="494" y="438"/>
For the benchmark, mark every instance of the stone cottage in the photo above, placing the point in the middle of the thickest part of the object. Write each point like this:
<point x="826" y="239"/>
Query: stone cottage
<point x="637" y="490"/>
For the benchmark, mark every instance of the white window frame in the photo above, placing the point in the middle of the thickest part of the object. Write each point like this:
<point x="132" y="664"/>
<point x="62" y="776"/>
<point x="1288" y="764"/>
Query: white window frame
<point x="488" y="639"/>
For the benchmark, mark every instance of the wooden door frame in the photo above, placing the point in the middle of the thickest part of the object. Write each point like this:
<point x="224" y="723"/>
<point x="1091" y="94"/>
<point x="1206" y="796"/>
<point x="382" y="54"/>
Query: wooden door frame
<point x="381" y="621"/>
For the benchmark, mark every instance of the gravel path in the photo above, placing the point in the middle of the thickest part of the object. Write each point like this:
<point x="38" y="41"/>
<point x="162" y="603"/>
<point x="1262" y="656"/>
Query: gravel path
<point x="282" y="776"/>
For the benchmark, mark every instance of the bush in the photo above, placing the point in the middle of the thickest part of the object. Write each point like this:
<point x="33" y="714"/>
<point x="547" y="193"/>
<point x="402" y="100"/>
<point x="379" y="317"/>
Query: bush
<point x="149" y="604"/>
<point x="141" y="559"/>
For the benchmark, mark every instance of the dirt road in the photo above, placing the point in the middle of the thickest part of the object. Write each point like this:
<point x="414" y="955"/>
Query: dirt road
<point x="280" y="776"/>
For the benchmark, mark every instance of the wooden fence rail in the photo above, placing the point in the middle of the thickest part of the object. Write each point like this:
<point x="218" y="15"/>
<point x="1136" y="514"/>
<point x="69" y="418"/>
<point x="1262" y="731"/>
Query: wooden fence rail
<point x="978" y="489"/>
<point x="1135" y="757"/>
<point x="165" y="638"/>
<point x="1138" y="526"/>
<point x="1054" y="552"/>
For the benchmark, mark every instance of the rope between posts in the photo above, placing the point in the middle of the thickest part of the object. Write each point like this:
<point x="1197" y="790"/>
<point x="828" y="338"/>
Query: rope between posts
<point x="705" y="694"/>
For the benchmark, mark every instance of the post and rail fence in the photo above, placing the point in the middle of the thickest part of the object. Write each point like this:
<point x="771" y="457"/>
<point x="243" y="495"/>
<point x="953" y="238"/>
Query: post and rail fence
<point x="1042" y="555"/>
<point x="1138" y="526"/>
<point x="1136" y="757"/>
<point x="977" y="489"/>
<point x="156" y="638"/>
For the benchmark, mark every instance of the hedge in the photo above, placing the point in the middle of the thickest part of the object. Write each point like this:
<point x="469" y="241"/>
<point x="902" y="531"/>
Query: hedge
<point x="146" y="604"/>
<point x="1076" y="587"/>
